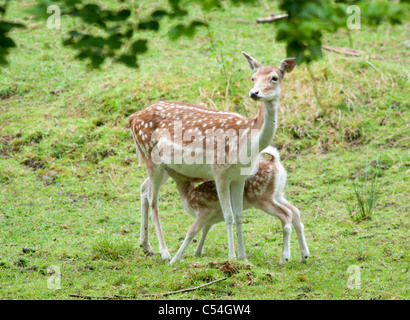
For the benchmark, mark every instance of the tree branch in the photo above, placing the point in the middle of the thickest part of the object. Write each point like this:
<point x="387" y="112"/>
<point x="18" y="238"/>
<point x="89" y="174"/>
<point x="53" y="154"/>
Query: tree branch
<point x="273" y="17"/>
<point x="116" y="296"/>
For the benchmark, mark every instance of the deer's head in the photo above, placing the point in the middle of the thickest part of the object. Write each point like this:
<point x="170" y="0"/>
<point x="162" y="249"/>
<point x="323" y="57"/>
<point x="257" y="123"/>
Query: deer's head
<point x="267" y="80"/>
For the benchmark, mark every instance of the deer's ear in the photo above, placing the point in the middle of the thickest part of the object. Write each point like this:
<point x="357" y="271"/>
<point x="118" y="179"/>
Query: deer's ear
<point x="287" y="65"/>
<point x="253" y="63"/>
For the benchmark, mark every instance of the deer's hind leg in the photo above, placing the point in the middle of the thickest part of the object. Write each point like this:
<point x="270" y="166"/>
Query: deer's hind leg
<point x="144" y="238"/>
<point x="273" y="207"/>
<point x="299" y="228"/>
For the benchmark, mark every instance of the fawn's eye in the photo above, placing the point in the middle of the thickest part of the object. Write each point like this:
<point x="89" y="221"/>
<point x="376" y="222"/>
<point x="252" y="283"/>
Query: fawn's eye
<point x="253" y="79"/>
<point x="275" y="79"/>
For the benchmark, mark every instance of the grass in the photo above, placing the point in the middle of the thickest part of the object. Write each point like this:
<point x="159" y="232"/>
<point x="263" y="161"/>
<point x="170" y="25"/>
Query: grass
<point x="366" y="197"/>
<point x="69" y="181"/>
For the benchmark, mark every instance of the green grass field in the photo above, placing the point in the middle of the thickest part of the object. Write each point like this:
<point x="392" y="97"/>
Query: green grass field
<point x="69" y="180"/>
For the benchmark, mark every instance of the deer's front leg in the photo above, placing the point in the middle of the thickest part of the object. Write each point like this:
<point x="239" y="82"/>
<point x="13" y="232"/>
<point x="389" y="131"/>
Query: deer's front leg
<point x="223" y="188"/>
<point x="237" y="188"/>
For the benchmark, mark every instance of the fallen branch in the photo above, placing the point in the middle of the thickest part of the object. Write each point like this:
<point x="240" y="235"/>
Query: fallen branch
<point x="84" y="296"/>
<point x="346" y="51"/>
<point x="116" y="296"/>
<point x="271" y="18"/>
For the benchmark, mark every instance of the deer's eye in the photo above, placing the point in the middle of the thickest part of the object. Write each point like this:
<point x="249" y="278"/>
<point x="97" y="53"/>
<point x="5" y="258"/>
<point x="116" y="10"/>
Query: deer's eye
<point x="253" y="79"/>
<point x="275" y="79"/>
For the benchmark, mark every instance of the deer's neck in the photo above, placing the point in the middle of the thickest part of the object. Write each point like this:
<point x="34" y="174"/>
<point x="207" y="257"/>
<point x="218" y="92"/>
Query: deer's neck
<point x="266" y="122"/>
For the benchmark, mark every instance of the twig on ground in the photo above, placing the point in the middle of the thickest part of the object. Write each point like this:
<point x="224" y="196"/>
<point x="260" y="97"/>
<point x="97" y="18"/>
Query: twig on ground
<point x="346" y="51"/>
<point x="84" y="296"/>
<point x="116" y="296"/>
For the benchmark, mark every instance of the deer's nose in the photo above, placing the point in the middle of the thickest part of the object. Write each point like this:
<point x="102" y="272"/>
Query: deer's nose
<point x="254" y="93"/>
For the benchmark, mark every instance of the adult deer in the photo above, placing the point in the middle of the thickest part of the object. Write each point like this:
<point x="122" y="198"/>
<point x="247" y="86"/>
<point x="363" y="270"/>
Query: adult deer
<point x="167" y="133"/>
<point x="264" y="190"/>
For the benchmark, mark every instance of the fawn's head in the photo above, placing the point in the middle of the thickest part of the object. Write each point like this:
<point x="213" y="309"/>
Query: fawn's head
<point x="267" y="79"/>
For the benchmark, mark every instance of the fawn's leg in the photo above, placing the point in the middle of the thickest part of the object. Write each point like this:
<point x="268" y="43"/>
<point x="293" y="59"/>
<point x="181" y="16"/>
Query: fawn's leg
<point x="299" y="228"/>
<point x="200" y="247"/>
<point x="285" y="217"/>
<point x="192" y="231"/>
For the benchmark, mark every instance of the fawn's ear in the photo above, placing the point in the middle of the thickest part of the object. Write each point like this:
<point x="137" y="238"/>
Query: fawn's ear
<point x="253" y="63"/>
<point x="287" y="65"/>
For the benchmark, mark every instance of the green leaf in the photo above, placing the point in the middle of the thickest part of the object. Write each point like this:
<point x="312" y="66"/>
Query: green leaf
<point x="115" y="41"/>
<point x="175" y="32"/>
<point x="83" y="54"/>
<point x="159" y="14"/>
<point x="128" y="60"/>
<point x="316" y="51"/>
<point x="139" y="46"/>
<point x="74" y="33"/>
<point x="6" y="42"/>
<point x="96" y="60"/>
<point x="8" y="26"/>
<point x="128" y="34"/>
<point x="149" y="25"/>
<point x="91" y="41"/>
<point x="124" y="14"/>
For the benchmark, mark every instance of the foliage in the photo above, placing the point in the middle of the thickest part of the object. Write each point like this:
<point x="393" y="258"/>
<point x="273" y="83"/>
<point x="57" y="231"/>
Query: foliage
<point x="225" y="53"/>
<point x="113" y="34"/>
<point x="6" y="42"/>
<point x="121" y="34"/>
<point x="309" y="20"/>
